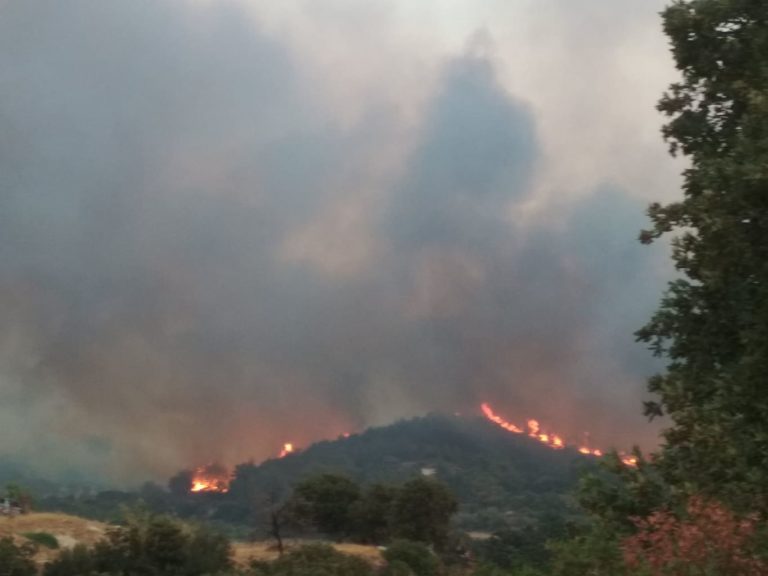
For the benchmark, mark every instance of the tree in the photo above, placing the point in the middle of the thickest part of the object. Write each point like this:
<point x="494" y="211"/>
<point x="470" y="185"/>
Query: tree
<point x="712" y="324"/>
<point x="710" y="539"/>
<point x="326" y="501"/>
<point x="21" y="496"/>
<point x="371" y="515"/>
<point x="16" y="560"/>
<point x="181" y="483"/>
<point x="422" y="512"/>
<point x="78" y="560"/>
<point x="420" y="560"/>
<point x="314" y="560"/>
<point x="148" y="546"/>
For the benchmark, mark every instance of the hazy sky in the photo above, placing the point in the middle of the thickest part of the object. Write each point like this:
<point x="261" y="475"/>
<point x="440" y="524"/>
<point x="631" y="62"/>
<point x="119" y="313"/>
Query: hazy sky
<point x="228" y="224"/>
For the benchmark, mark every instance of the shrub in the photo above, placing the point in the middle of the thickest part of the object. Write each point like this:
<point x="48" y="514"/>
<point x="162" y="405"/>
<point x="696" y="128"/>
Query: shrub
<point x="43" y="538"/>
<point x="70" y="562"/>
<point x="16" y="560"/>
<point x="315" y="560"/>
<point x="147" y="546"/>
<point x="710" y="539"/>
<point x="416" y="556"/>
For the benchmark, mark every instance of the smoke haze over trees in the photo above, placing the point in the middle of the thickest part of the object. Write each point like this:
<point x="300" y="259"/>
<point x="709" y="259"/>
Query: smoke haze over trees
<point x="220" y="230"/>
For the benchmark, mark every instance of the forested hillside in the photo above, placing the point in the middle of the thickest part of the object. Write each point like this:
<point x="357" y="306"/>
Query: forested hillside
<point x="499" y="478"/>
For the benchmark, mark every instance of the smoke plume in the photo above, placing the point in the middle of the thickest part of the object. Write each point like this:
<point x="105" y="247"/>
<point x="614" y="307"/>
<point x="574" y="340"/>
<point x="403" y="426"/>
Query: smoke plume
<point x="213" y="242"/>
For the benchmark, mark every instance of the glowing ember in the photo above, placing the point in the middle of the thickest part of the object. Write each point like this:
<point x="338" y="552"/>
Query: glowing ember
<point x="210" y="478"/>
<point x="287" y="449"/>
<point x="547" y="438"/>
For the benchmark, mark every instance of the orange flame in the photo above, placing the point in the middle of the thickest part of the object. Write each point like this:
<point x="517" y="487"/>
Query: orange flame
<point x="287" y="449"/>
<point x="210" y="478"/>
<point x="547" y="438"/>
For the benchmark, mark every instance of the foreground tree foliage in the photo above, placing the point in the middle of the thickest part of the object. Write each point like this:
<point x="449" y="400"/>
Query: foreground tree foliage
<point x="707" y="539"/>
<point x="16" y="560"/>
<point x="411" y="557"/>
<point x="313" y="560"/>
<point x="700" y="505"/>
<point x="422" y="512"/>
<point x="712" y="324"/>
<point x="326" y="500"/>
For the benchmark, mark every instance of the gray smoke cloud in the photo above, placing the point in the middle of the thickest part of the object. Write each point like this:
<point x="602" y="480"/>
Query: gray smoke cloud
<point x="202" y="257"/>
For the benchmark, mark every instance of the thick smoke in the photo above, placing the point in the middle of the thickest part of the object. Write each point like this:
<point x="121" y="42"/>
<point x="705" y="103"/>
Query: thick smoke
<point x="201" y="258"/>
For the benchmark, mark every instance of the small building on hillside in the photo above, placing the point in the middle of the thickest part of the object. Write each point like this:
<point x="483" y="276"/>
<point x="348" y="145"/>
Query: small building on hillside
<point x="9" y="507"/>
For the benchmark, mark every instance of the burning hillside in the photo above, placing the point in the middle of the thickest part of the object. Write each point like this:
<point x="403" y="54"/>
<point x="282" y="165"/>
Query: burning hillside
<point x="549" y="439"/>
<point x="210" y="478"/>
<point x="216" y="478"/>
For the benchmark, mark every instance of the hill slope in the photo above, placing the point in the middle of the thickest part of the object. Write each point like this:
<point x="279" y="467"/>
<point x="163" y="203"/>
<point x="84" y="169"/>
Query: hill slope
<point x="68" y="531"/>
<point x="498" y="477"/>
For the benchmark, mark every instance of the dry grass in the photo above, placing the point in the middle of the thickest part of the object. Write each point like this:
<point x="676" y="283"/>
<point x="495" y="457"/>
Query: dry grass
<point x="71" y="530"/>
<point x="68" y="530"/>
<point x="266" y="551"/>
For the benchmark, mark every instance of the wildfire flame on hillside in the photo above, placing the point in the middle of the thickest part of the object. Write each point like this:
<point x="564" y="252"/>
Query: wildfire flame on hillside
<point x="287" y="449"/>
<point x="210" y="478"/>
<point x="551" y="440"/>
<point x="216" y="478"/>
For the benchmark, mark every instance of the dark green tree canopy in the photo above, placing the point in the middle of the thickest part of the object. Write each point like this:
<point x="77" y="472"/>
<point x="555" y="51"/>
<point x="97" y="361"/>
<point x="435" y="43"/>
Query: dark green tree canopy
<point x="422" y="512"/>
<point x="326" y="501"/>
<point x="16" y="560"/>
<point x="712" y="324"/>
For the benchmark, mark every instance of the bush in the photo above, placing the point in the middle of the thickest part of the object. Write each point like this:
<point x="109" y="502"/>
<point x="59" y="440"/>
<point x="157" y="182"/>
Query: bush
<point x="416" y="556"/>
<point x="77" y="561"/>
<point x="43" y="538"/>
<point x="16" y="560"/>
<point x="491" y="570"/>
<point x="148" y="546"/>
<point x="710" y="539"/>
<point x="315" y="560"/>
<point x="595" y="552"/>
<point x="422" y="512"/>
<point x="326" y="502"/>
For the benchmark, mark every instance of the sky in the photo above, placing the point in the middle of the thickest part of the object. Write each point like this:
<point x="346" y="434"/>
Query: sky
<point x="230" y="224"/>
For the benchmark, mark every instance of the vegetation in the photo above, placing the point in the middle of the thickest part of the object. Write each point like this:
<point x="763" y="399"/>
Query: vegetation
<point x="712" y="324"/>
<point x="422" y="512"/>
<point x="314" y="560"/>
<point x="708" y="539"/>
<point x="500" y="480"/>
<point x="327" y="501"/>
<point x="700" y="505"/>
<point x="43" y="539"/>
<point x="16" y="560"/>
<point x="419" y="560"/>
<point x="148" y="546"/>
<point x="19" y="495"/>
<point x="419" y="510"/>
